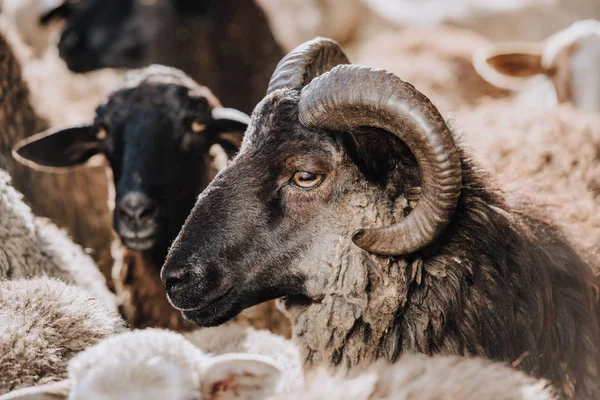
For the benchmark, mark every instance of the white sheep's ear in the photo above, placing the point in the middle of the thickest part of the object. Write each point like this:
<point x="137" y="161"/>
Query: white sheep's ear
<point x="60" y="148"/>
<point x="240" y="376"/>
<point x="509" y="65"/>
<point x="51" y="391"/>
<point x="55" y="10"/>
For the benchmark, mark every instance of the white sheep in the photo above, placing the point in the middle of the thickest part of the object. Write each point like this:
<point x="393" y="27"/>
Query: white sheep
<point x="569" y="59"/>
<point x="426" y="378"/>
<point x="240" y="339"/>
<point x="157" y="364"/>
<point x="43" y="324"/>
<point x="31" y="246"/>
<point x="183" y="372"/>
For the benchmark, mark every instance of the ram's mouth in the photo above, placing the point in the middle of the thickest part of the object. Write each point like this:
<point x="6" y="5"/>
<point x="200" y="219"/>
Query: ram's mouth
<point x="217" y="312"/>
<point x="290" y="302"/>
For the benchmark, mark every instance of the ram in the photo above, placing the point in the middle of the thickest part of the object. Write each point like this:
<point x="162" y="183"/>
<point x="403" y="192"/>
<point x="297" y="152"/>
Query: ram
<point x="353" y="201"/>
<point x="43" y="324"/>
<point x="227" y="45"/>
<point x="155" y="364"/>
<point x="158" y="132"/>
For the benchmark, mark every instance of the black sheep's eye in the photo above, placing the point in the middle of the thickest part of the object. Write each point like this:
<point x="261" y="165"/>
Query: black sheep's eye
<point x="306" y="180"/>
<point x="100" y="132"/>
<point x="192" y="125"/>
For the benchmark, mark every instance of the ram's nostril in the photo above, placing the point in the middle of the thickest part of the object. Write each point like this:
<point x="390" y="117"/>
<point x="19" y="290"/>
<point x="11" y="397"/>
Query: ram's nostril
<point x="175" y="279"/>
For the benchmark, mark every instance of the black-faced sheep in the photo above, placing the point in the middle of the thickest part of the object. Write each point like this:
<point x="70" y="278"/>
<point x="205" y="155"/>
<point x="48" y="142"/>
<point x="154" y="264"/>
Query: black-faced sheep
<point x="155" y="364"/>
<point x="43" y="324"/>
<point x="31" y="246"/>
<point x="227" y="45"/>
<point x="157" y="132"/>
<point x="570" y="59"/>
<point x="352" y="199"/>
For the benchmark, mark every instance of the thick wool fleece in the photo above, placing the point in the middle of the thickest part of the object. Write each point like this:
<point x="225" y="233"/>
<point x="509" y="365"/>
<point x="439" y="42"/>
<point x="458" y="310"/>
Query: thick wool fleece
<point x="43" y="324"/>
<point x="31" y="246"/>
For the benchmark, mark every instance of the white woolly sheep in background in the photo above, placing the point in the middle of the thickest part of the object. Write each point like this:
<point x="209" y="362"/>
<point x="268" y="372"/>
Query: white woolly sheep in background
<point x="43" y="324"/>
<point x="546" y="135"/>
<point x="570" y="60"/>
<point x="156" y="364"/>
<point x="31" y="246"/>
<point x="418" y="377"/>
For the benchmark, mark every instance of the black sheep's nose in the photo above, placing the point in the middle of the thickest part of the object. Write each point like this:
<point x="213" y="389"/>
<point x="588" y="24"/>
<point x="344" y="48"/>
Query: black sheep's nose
<point x="136" y="208"/>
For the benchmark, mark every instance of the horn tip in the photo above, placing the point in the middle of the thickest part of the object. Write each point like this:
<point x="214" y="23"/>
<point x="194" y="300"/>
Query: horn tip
<point x="358" y="237"/>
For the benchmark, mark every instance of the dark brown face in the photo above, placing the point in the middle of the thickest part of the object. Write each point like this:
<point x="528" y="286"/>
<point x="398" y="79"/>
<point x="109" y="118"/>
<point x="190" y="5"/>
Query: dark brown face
<point x="265" y="225"/>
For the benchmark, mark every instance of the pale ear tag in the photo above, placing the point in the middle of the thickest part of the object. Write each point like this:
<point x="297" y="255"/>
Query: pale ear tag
<point x="240" y="376"/>
<point x="51" y="391"/>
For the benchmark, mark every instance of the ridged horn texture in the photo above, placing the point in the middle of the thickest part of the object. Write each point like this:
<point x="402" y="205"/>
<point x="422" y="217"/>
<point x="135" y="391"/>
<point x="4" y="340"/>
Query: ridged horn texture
<point x="351" y="96"/>
<point x="306" y="62"/>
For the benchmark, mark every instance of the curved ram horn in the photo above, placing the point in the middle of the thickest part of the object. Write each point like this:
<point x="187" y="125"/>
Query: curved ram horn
<point x="351" y="96"/>
<point x="306" y="62"/>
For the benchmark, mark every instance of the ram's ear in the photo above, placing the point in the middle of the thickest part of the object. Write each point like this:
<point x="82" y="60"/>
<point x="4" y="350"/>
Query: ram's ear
<point x="59" y="148"/>
<point x="231" y="125"/>
<point x="51" y="391"/>
<point x="509" y="65"/>
<point x="240" y="376"/>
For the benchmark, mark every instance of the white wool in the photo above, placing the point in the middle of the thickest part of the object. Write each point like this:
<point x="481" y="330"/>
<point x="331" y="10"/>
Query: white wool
<point x="31" y="246"/>
<point x="43" y="323"/>
<point x="158" y="364"/>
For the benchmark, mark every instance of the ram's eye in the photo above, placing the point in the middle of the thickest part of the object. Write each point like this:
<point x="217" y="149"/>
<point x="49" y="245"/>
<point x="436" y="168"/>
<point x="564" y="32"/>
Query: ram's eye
<point x="306" y="180"/>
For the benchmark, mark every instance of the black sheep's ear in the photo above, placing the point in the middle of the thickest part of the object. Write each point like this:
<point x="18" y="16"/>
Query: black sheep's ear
<point x="59" y="148"/>
<point x="57" y="12"/>
<point x="231" y="125"/>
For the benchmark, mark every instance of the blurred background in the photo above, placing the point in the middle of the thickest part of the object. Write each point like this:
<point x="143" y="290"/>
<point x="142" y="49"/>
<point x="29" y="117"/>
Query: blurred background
<point x="372" y="32"/>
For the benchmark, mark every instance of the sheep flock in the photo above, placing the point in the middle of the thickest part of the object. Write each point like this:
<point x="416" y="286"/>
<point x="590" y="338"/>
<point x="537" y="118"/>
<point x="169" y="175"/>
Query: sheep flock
<point x="299" y="199"/>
